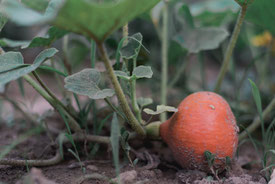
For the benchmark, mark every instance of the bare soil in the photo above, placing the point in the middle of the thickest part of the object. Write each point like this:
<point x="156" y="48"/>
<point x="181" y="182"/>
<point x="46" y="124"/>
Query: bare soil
<point x="155" y="166"/>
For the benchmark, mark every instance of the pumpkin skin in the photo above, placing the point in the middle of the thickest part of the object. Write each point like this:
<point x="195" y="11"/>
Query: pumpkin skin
<point x="204" y="122"/>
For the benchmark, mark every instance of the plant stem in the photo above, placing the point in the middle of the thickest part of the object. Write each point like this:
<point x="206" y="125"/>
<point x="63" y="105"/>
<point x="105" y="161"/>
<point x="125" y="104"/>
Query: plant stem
<point x="125" y="34"/>
<point x="120" y="94"/>
<point x="74" y="125"/>
<point x="164" y="57"/>
<point x="230" y="48"/>
<point x="257" y="121"/>
<point x="52" y="95"/>
<point x="134" y="95"/>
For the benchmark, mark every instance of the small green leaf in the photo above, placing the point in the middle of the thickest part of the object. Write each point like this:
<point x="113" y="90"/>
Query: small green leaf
<point x="143" y="72"/>
<point x="131" y="50"/>
<point x="257" y="97"/>
<point x="143" y="102"/>
<point x="5" y="42"/>
<point x="198" y="39"/>
<point x="161" y="109"/>
<point x="86" y="83"/>
<point x="122" y="75"/>
<point x="115" y="134"/>
<point x="12" y="65"/>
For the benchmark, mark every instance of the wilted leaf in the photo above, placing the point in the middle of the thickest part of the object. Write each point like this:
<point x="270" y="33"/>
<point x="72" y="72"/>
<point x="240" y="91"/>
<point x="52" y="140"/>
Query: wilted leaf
<point x="12" y="65"/>
<point x="143" y="102"/>
<point x="161" y="109"/>
<point x="131" y="50"/>
<point x="86" y="83"/>
<point x="143" y="72"/>
<point x="198" y="39"/>
<point x="97" y="20"/>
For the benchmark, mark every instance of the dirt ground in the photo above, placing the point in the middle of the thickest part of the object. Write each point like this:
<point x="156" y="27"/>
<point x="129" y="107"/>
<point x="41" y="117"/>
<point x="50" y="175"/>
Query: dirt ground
<point x="156" y="167"/>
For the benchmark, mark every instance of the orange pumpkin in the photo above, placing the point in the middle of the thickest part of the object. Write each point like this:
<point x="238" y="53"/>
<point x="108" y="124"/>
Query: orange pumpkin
<point x="204" y="122"/>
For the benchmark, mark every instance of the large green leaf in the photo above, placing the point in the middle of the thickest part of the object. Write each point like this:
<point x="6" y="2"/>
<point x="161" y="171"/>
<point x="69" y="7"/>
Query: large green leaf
<point x="96" y="20"/>
<point x="198" y="39"/>
<point x="261" y="13"/>
<point x="12" y="64"/>
<point x="86" y="83"/>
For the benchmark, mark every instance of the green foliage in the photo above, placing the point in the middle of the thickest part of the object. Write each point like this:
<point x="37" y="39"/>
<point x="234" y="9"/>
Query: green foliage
<point x="80" y="16"/>
<point x="160" y="109"/>
<point x="115" y="134"/>
<point x="53" y="34"/>
<point x="262" y="14"/>
<point x="210" y="157"/>
<point x="196" y="40"/>
<point x="86" y="83"/>
<point x="143" y="72"/>
<point x="138" y="73"/>
<point x="77" y="52"/>
<point x="5" y="42"/>
<point x="132" y="48"/>
<point x="143" y="102"/>
<point x="12" y="64"/>
<point x="3" y="21"/>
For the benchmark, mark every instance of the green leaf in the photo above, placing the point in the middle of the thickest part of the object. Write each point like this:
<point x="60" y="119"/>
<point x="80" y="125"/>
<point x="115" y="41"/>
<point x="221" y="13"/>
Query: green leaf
<point x="131" y="50"/>
<point x="122" y="75"/>
<point x="96" y="20"/>
<point x="77" y="52"/>
<point x="53" y="34"/>
<point x="3" y="21"/>
<point x="86" y="83"/>
<point x="198" y="39"/>
<point x="161" y="109"/>
<point x="257" y="98"/>
<point x="22" y="15"/>
<point x="262" y="14"/>
<point x="213" y="6"/>
<point x="2" y="88"/>
<point x="12" y="65"/>
<point x="115" y="134"/>
<point x="5" y="42"/>
<point x="143" y="72"/>
<point x="143" y="102"/>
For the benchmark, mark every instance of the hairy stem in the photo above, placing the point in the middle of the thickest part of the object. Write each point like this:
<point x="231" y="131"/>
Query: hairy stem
<point x="164" y="59"/>
<point x="120" y="94"/>
<point x="74" y="125"/>
<point x="257" y="121"/>
<point x="230" y="48"/>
